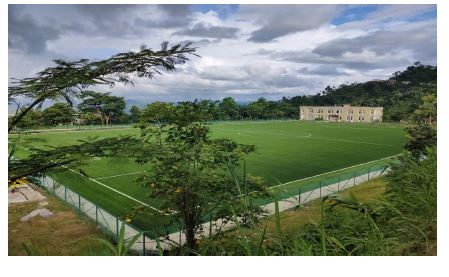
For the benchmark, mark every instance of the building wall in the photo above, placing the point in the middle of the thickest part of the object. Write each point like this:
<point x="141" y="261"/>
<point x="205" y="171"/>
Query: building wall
<point x="342" y="113"/>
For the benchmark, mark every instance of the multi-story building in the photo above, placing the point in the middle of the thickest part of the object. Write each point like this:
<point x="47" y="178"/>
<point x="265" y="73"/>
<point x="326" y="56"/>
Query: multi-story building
<point x="341" y="113"/>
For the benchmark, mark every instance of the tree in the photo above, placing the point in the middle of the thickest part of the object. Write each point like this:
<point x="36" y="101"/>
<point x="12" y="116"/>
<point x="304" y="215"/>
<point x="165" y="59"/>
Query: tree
<point x="90" y="118"/>
<point x="32" y="119"/>
<point x="59" y="113"/>
<point x="157" y="113"/>
<point x="188" y="169"/>
<point x="423" y="133"/>
<point x="104" y="105"/>
<point x="427" y="111"/>
<point x="229" y="109"/>
<point x="68" y="79"/>
<point x="134" y="113"/>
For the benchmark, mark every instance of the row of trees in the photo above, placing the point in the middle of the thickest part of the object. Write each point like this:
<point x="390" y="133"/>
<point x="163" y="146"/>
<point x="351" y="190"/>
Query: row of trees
<point x="94" y="108"/>
<point x="400" y="96"/>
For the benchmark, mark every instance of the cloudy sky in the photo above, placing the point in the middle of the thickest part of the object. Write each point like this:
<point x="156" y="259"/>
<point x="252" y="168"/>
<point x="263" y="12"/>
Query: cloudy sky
<point x="247" y="51"/>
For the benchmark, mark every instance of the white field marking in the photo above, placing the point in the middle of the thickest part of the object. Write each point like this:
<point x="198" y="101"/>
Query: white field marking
<point x="333" y="171"/>
<point x="93" y="180"/>
<point x="355" y="141"/>
<point x="277" y="134"/>
<point x="132" y="173"/>
<point x="309" y="135"/>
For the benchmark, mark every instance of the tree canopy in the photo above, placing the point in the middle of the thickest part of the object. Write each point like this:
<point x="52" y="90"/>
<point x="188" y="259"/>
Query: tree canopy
<point x="106" y="106"/>
<point x="67" y="79"/>
<point x="59" y="113"/>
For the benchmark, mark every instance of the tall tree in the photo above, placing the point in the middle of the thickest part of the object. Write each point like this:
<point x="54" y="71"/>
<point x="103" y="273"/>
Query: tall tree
<point x="32" y="119"/>
<point x="188" y="170"/>
<point x="422" y="133"/>
<point x="229" y="109"/>
<point x="134" y="114"/>
<point x="68" y="79"/>
<point x="59" y="113"/>
<point x="106" y="106"/>
<point x="157" y="113"/>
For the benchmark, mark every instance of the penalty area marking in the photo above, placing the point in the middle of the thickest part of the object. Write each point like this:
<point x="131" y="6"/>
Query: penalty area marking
<point x="106" y="186"/>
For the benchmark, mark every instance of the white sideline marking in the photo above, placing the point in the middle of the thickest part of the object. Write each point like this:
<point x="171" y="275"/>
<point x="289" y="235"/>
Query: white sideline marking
<point x="333" y="171"/>
<point x="93" y="180"/>
<point x="113" y="176"/>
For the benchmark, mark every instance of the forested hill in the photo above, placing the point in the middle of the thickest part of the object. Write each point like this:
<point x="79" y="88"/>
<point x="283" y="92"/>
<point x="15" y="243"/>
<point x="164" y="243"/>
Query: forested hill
<point x="400" y="95"/>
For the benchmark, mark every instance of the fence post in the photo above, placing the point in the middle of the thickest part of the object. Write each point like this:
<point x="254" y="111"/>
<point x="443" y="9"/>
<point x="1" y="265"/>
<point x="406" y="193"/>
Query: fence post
<point x="180" y="233"/>
<point x="338" y="184"/>
<point x="79" y="203"/>
<point x="299" y="195"/>
<point x="210" y="225"/>
<point x="320" y="189"/>
<point x="143" y="240"/>
<point x="116" y="229"/>
<point x="65" y="194"/>
<point x="354" y="178"/>
<point x="96" y="214"/>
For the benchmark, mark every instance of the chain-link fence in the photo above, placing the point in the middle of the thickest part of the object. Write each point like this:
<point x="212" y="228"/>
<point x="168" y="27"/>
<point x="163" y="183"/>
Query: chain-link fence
<point x="290" y="195"/>
<point x="298" y="193"/>
<point x="108" y="223"/>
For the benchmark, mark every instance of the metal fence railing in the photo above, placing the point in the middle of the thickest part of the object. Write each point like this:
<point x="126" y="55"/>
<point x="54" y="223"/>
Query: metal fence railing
<point x="290" y="195"/>
<point x="296" y="194"/>
<point x="108" y="223"/>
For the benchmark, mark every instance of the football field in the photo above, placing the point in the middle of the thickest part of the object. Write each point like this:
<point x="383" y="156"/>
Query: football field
<point x="287" y="152"/>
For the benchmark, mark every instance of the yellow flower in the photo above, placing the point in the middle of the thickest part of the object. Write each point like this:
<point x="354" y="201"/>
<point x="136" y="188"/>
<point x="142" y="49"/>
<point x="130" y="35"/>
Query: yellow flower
<point x="178" y="190"/>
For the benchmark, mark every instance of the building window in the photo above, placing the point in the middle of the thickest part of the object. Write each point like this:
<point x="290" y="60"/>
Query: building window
<point x="309" y="116"/>
<point x="310" y="110"/>
<point x="351" y="111"/>
<point x="372" y="111"/>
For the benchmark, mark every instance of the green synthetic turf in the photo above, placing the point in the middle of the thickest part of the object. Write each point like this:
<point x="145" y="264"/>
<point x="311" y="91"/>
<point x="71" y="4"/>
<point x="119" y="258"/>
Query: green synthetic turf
<point x="286" y="151"/>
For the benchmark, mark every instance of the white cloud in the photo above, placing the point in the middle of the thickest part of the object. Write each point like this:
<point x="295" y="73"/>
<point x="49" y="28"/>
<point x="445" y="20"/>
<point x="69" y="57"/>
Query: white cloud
<point x="269" y="51"/>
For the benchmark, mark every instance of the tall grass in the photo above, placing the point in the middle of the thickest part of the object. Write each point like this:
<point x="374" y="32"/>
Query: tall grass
<point x="403" y="222"/>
